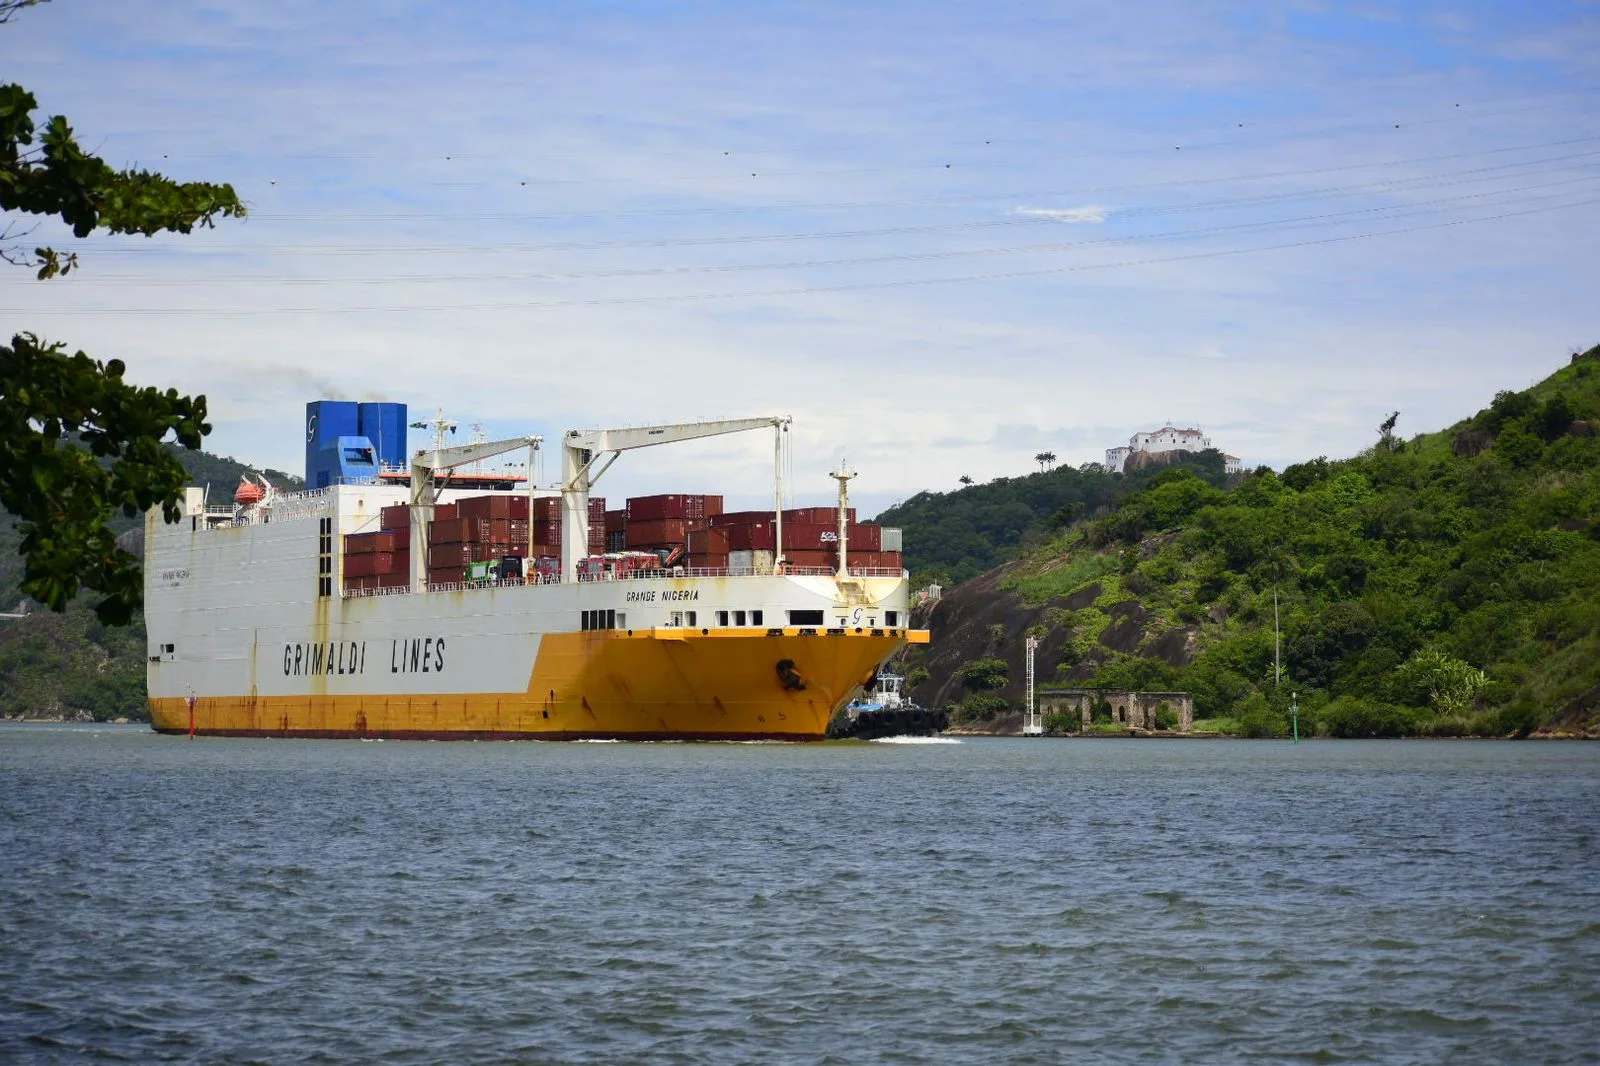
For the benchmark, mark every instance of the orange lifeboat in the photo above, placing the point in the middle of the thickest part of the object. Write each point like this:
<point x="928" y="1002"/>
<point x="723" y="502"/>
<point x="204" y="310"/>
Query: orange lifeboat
<point x="248" y="492"/>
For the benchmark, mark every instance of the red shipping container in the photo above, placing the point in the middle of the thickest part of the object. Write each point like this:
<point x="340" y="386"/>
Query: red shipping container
<point x="811" y="558"/>
<point x="439" y="575"/>
<point x="707" y="541"/>
<point x="754" y="536"/>
<point x="672" y="505"/>
<point x="616" y="521"/>
<point x="866" y="537"/>
<point x="456" y="555"/>
<point x="382" y="541"/>
<point x="371" y="564"/>
<point x="803" y="536"/>
<point x="471" y="531"/>
<point x="738" y="518"/>
<point x="709" y="560"/>
<point x="489" y="506"/>
<point x="548" y="508"/>
<point x="818" y="515"/>
<point x="452" y="531"/>
<point x="656" y="531"/>
<point x="395" y="517"/>
<point x="353" y="583"/>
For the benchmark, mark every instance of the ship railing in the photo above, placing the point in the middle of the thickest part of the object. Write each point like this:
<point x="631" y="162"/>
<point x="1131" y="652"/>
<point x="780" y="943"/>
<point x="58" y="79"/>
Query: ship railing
<point x="304" y="494"/>
<point x="394" y="590"/>
<point x="295" y="506"/>
<point x="635" y="575"/>
<point x="739" y="571"/>
<point x="467" y="586"/>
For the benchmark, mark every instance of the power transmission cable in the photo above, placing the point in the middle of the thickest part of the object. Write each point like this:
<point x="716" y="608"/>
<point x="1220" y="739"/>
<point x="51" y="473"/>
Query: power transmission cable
<point x="1391" y="184"/>
<point x="946" y="161"/>
<point x="804" y="290"/>
<point x="848" y="205"/>
<point x="1391" y="210"/>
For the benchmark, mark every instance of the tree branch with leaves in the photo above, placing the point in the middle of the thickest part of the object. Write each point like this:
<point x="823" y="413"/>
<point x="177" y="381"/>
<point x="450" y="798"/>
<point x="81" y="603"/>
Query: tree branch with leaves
<point x="77" y="442"/>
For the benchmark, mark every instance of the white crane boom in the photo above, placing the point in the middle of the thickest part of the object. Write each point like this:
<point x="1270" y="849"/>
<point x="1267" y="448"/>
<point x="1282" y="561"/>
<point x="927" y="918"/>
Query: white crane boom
<point x="582" y="448"/>
<point x="426" y="465"/>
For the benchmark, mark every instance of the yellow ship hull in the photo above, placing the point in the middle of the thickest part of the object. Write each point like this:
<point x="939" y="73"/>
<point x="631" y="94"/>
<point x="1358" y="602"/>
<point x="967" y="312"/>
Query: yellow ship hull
<point x="720" y="684"/>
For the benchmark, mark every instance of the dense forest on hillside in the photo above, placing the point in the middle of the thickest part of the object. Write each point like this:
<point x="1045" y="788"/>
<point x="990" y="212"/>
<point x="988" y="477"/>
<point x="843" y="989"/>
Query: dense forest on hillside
<point x="1445" y="585"/>
<point x="69" y="663"/>
<point x="952" y="537"/>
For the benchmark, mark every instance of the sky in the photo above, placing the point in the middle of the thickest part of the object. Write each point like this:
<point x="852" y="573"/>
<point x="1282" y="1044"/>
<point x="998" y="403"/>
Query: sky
<point x="943" y="237"/>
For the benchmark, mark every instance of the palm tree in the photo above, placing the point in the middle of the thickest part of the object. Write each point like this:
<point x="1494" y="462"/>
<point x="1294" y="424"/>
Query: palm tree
<point x="964" y="479"/>
<point x="1045" y="460"/>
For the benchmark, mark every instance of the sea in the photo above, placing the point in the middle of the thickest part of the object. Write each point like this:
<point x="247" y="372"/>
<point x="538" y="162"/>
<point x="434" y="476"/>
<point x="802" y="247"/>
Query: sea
<point x="980" y="900"/>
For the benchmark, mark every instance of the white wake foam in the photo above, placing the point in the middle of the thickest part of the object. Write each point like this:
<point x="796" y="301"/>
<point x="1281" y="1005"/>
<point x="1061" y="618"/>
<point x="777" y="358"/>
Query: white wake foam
<point x="915" y="740"/>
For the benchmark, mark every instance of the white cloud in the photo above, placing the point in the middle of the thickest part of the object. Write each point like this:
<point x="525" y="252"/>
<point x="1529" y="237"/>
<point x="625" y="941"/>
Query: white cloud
<point x="1064" y="214"/>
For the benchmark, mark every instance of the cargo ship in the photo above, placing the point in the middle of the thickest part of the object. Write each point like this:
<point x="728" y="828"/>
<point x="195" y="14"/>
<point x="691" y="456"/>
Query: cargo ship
<point x="419" y="596"/>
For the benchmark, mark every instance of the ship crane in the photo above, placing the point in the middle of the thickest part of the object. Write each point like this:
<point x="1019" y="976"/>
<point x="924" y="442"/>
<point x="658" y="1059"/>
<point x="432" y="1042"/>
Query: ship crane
<point x="427" y="465"/>
<point x="583" y="449"/>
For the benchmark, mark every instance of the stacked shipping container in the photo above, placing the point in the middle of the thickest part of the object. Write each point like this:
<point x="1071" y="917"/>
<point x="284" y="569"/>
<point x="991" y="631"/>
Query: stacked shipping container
<point x="479" y="529"/>
<point x="685" y="529"/>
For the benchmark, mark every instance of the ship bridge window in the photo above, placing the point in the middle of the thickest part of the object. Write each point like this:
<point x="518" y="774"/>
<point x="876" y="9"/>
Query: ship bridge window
<point x="891" y="618"/>
<point x="755" y="618"/>
<point x="738" y="618"/>
<point x="805" y="618"/>
<point x="722" y="618"/>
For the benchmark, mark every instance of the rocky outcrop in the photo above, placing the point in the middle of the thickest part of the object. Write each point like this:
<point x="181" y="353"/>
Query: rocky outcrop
<point x="982" y="620"/>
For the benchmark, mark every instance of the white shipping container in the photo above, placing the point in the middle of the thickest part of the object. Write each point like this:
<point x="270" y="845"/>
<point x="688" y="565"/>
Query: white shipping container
<point x="750" y="562"/>
<point x="890" y="540"/>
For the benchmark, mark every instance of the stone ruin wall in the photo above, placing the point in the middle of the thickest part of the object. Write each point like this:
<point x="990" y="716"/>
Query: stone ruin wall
<point x="1132" y="710"/>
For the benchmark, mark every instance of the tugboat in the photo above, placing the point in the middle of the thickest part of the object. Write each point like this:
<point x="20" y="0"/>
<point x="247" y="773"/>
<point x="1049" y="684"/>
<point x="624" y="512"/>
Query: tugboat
<point x="882" y="710"/>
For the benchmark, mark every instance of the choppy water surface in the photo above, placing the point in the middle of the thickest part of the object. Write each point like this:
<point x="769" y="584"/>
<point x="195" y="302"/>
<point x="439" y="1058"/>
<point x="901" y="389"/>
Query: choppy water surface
<point x="988" y="901"/>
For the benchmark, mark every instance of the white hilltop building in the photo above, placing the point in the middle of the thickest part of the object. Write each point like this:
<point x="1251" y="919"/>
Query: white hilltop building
<point x="1168" y="438"/>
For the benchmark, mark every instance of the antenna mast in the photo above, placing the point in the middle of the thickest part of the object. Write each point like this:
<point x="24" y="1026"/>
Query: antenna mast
<point x="843" y="476"/>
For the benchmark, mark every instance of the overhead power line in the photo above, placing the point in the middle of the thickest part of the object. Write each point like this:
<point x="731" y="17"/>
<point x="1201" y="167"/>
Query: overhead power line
<point x="850" y="205"/>
<point x="807" y="290"/>
<point x="1390" y="210"/>
<point x="1391" y="184"/>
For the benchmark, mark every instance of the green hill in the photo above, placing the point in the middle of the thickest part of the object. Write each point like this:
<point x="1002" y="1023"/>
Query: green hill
<point x="69" y="663"/>
<point x="1445" y="585"/>
<point x="952" y="537"/>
